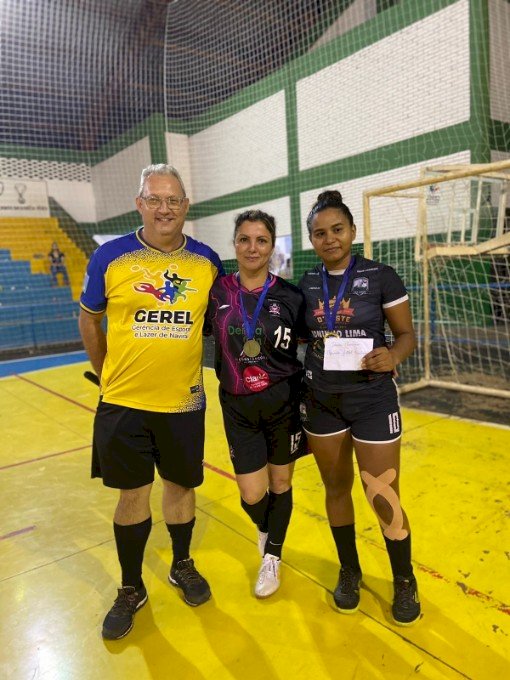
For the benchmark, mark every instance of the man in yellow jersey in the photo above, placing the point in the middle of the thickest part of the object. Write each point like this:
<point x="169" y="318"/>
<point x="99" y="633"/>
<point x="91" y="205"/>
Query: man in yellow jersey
<point x="153" y="286"/>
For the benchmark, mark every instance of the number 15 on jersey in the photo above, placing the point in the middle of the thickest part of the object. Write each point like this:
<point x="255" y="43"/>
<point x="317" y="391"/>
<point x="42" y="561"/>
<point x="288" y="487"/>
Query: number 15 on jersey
<point x="282" y="337"/>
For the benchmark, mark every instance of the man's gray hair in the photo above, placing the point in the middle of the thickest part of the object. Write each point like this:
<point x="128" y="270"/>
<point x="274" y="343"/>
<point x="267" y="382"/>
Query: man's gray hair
<point x="160" y="169"/>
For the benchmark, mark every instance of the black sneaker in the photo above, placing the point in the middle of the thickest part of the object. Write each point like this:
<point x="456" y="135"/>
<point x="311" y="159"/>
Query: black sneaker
<point x="119" y="620"/>
<point x="195" y="588"/>
<point x="346" y="593"/>
<point x="406" y="604"/>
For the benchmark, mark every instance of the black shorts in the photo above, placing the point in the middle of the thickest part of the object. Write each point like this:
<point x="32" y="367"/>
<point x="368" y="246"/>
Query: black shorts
<point x="129" y="442"/>
<point x="264" y="427"/>
<point x="372" y="413"/>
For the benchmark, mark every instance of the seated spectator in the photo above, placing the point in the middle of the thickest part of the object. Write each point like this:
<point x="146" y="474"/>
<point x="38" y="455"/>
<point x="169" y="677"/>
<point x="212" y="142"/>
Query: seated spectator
<point x="57" y="265"/>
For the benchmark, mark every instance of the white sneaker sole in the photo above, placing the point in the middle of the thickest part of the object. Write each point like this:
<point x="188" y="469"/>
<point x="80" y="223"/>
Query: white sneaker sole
<point x="261" y="596"/>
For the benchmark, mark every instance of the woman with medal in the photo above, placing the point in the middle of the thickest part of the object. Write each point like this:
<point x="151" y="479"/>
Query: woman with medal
<point x="256" y="317"/>
<point x="351" y="398"/>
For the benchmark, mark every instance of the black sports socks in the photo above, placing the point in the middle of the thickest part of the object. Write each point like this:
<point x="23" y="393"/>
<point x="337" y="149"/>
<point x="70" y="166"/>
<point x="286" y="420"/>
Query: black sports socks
<point x="258" y="511"/>
<point x="131" y="540"/>
<point x="279" y="513"/>
<point x="345" y="541"/>
<point x="400" y="556"/>
<point x="181" y="539"/>
<point x="272" y="515"/>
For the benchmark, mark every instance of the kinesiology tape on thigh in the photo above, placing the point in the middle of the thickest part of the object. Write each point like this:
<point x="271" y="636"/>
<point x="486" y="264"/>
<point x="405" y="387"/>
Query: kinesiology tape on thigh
<point x="380" y="486"/>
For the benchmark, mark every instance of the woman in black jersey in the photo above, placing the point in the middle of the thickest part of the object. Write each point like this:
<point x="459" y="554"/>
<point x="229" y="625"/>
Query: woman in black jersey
<point x="351" y="398"/>
<point x="256" y="317"/>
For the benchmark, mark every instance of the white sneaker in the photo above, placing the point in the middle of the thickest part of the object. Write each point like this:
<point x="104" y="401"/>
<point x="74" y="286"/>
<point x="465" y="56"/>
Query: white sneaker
<point x="262" y="542"/>
<point x="268" y="580"/>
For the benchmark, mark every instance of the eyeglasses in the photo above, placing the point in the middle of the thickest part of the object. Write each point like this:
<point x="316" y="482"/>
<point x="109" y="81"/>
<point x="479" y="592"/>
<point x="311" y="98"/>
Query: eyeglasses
<point x="172" y="202"/>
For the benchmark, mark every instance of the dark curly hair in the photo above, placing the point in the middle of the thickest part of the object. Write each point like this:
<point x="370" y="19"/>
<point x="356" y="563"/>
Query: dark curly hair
<point x="328" y="199"/>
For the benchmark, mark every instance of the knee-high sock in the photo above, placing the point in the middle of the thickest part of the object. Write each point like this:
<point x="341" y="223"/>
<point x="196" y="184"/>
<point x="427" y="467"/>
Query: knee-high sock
<point x="131" y="540"/>
<point x="345" y="541"/>
<point x="180" y="535"/>
<point x="399" y="553"/>
<point x="257" y="512"/>
<point x="278" y="518"/>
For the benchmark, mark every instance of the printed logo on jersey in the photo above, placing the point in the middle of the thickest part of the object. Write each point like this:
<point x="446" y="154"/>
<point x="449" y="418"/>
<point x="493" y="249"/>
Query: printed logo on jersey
<point x="239" y="330"/>
<point x="167" y="286"/>
<point x="360" y="285"/>
<point x="161" y="289"/>
<point x="343" y="314"/>
<point x="274" y="309"/>
<point x="255" y="378"/>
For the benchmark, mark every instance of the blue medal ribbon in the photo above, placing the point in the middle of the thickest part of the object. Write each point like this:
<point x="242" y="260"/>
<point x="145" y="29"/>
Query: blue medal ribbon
<point x="330" y="314"/>
<point x="249" y="329"/>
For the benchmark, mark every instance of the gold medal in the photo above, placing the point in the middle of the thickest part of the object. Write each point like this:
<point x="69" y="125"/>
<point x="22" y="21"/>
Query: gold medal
<point x="251" y="348"/>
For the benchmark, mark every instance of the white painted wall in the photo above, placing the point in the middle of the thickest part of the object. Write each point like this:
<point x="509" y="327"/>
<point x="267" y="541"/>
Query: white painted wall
<point x="414" y="81"/>
<point x="355" y="15"/>
<point x="116" y="180"/>
<point x="218" y="230"/>
<point x="499" y="31"/>
<point x="177" y="153"/>
<point x="77" y="198"/>
<point x="497" y="156"/>
<point x="391" y="218"/>
<point x="244" y="150"/>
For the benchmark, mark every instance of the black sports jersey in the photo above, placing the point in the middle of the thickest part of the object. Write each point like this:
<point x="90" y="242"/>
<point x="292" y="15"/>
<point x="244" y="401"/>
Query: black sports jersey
<point x="372" y="287"/>
<point x="278" y="326"/>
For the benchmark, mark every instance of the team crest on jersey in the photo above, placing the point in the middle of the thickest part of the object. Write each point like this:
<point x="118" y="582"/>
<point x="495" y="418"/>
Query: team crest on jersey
<point x="343" y="315"/>
<point x="360" y="285"/>
<point x="274" y="309"/>
<point x="167" y="286"/>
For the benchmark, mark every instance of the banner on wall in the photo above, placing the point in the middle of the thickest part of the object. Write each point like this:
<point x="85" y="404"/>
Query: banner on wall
<point x="23" y="198"/>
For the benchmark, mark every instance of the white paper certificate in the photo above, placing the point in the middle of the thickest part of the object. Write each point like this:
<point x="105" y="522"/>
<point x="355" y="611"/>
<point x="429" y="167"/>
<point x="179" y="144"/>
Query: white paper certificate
<point x="345" y="354"/>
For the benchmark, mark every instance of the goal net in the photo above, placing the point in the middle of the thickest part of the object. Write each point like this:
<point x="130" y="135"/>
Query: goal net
<point x="459" y="275"/>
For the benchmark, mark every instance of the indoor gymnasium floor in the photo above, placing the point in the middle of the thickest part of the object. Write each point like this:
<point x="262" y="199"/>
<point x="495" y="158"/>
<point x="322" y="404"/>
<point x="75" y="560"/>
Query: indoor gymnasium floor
<point x="59" y="569"/>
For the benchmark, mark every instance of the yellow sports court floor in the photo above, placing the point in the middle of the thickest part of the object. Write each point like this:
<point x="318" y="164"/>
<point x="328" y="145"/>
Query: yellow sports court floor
<point x="59" y="570"/>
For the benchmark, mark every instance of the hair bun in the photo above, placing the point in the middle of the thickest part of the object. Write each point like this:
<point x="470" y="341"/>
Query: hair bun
<point x="330" y="195"/>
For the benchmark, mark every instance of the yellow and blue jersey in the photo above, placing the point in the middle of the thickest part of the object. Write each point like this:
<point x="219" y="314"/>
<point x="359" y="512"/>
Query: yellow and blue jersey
<point x="155" y="304"/>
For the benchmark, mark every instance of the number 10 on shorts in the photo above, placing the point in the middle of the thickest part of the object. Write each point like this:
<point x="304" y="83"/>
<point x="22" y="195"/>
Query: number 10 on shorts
<point x="394" y="422"/>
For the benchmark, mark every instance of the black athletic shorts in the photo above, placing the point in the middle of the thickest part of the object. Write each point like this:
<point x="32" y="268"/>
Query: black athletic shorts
<point x="129" y="442"/>
<point x="264" y="427"/>
<point x="372" y="413"/>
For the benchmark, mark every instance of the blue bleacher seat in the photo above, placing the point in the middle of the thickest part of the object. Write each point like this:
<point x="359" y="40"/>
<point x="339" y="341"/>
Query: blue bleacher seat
<point x="35" y="296"/>
<point x="56" y="332"/>
<point x="33" y="313"/>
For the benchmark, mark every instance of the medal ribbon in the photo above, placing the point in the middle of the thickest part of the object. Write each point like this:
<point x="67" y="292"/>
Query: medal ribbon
<point x="249" y="329"/>
<point x="330" y="314"/>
